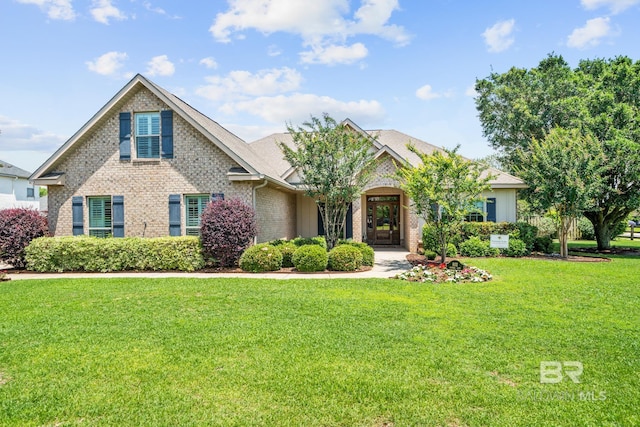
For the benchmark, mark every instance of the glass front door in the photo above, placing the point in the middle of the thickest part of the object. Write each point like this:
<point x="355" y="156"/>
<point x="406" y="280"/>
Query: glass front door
<point x="383" y="220"/>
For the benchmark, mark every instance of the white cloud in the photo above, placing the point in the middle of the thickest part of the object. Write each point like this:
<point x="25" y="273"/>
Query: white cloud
<point x="55" y="9"/>
<point x="426" y="93"/>
<point x="589" y="35"/>
<point x="17" y="136"/>
<point x="320" y="24"/>
<point x="107" y="64"/>
<point x="160" y="66"/>
<point x="297" y="108"/>
<point x="334" y="54"/>
<point x="103" y="10"/>
<point x="209" y="62"/>
<point x="498" y="37"/>
<point x="241" y="83"/>
<point x="616" y="6"/>
<point x="471" y="91"/>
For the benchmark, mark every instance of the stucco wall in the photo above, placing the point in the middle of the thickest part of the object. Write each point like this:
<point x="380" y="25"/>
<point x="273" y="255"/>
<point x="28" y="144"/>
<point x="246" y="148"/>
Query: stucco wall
<point x="276" y="213"/>
<point x="94" y="168"/>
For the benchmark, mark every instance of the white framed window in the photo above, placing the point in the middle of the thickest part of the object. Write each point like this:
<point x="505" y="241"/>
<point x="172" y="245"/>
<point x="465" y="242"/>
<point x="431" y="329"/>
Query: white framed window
<point x="478" y="214"/>
<point x="147" y="135"/>
<point x="194" y="205"/>
<point x="100" y="216"/>
<point x="31" y="192"/>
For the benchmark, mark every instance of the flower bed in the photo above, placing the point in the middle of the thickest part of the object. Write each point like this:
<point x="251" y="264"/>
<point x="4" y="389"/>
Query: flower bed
<point x="439" y="273"/>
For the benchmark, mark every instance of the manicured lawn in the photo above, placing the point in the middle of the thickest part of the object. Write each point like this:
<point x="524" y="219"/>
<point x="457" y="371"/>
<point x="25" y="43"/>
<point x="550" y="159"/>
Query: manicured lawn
<point x="235" y="352"/>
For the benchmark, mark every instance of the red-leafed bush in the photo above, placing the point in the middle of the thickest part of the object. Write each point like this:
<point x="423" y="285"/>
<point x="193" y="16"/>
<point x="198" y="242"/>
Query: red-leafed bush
<point x="227" y="228"/>
<point x="18" y="226"/>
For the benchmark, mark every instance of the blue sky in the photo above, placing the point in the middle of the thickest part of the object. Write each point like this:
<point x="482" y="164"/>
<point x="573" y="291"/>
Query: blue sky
<point x="255" y="65"/>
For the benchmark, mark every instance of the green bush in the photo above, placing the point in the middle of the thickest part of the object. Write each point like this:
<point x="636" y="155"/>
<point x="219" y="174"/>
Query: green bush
<point x="452" y="251"/>
<point x="547" y="227"/>
<point x="85" y="253"/>
<point x="543" y="244"/>
<point x="474" y="247"/>
<point x="262" y="257"/>
<point x="310" y="258"/>
<point x="287" y="249"/>
<point x="527" y="233"/>
<point x="586" y="229"/>
<point x="517" y="248"/>
<point x="344" y="258"/>
<point x="368" y="254"/>
<point x="304" y="241"/>
<point x="430" y="239"/>
<point x="430" y="255"/>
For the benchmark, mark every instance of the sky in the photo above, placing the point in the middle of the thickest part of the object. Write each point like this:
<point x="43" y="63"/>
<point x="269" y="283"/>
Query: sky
<point x="255" y="66"/>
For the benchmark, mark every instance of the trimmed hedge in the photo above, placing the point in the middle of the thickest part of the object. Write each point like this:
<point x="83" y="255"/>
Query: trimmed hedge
<point x="304" y="241"/>
<point x="345" y="258"/>
<point x="287" y="249"/>
<point x="368" y="254"/>
<point x="310" y="258"/>
<point x="18" y="227"/>
<point x="516" y="248"/>
<point x="86" y="253"/>
<point x="262" y="257"/>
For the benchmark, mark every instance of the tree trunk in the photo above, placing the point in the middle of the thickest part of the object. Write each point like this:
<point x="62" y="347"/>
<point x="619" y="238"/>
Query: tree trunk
<point x="563" y="236"/>
<point x="603" y="236"/>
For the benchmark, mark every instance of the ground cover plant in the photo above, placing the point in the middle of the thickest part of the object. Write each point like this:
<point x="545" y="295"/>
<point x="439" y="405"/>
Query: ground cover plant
<point x="357" y="352"/>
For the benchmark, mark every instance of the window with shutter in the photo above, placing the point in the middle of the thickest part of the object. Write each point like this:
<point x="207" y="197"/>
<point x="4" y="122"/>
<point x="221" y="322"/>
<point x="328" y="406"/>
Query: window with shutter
<point x="100" y="216"/>
<point x="195" y="205"/>
<point x="478" y="214"/>
<point x="147" y="135"/>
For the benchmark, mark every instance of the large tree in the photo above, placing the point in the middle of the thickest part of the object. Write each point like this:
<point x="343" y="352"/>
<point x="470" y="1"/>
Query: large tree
<point x="564" y="173"/>
<point x="335" y="163"/>
<point x="599" y="97"/>
<point x="444" y="189"/>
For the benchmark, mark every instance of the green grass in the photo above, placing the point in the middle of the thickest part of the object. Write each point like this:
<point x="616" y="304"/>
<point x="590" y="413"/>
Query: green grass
<point x="359" y="352"/>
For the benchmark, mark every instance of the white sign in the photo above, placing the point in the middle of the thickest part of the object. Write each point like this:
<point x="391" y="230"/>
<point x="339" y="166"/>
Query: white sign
<point x="500" y="241"/>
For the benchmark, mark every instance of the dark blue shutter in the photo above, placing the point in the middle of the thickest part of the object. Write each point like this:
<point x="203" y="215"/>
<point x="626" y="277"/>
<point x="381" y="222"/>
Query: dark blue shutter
<point x="491" y="209"/>
<point x="321" y="231"/>
<point x="166" y="118"/>
<point x="349" y="225"/>
<point x="77" y="217"/>
<point x="174" y="215"/>
<point x="125" y="136"/>
<point x="217" y="196"/>
<point x="117" y="215"/>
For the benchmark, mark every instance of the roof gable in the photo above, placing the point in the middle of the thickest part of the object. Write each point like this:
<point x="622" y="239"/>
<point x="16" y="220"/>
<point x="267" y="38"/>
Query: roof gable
<point x="7" y="169"/>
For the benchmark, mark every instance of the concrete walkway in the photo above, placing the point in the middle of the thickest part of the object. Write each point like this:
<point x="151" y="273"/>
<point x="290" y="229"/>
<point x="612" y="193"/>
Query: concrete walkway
<point x="388" y="263"/>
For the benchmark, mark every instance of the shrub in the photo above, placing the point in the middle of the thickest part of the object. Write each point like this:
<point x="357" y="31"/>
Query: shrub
<point x="227" y="228"/>
<point x="452" y="251"/>
<point x="86" y="253"/>
<point x="262" y="257"/>
<point x="368" y="254"/>
<point x="586" y="229"/>
<point x="527" y="233"/>
<point x="547" y="227"/>
<point x="430" y="239"/>
<point x="287" y="250"/>
<point x="430" y="255"/>
<point x="18" y="227"/>
<point x="474" y="247"/>
<point x="619" y="228"/>
<point x="543" y="244"/>
<point x="344" y="258"/>
<point x="516" y="248"/>
<point x="304" y="241"/>
<point x="310" y="258"/>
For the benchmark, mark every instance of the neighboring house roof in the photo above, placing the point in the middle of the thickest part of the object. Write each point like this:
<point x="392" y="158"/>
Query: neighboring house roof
<point x="391" y="142"/>
<point x="229" y="143"/>
<point x="7" y="169"/>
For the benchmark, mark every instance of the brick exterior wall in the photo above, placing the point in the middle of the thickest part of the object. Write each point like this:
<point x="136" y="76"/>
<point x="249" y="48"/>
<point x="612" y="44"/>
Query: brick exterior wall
<point x="94" y="168"/>
<point x="276" y="213"/>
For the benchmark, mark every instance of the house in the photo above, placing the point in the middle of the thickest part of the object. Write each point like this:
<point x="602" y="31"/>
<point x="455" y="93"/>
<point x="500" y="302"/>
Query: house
<point x="15" y="189"/>
<point x="147" y="164"/>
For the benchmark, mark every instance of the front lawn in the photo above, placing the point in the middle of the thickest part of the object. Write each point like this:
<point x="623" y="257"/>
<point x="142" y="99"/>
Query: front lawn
<point x="358" y="352"/>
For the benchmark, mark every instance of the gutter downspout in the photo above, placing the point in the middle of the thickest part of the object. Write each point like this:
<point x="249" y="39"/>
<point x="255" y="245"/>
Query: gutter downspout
<point x="253" y="199"/>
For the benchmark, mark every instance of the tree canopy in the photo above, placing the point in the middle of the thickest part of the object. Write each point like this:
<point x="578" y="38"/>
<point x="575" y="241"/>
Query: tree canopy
<point x="598" y="98"/>
<point x="335" y="163"/>
<point x="443" y="189"/>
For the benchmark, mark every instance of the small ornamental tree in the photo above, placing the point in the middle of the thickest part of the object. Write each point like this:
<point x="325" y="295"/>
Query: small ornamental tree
<point x="227" y="228"/>
<point x="335" y="162"/>
<point x="18" y="226"/>
<point x="564" y="172"/>
<point x="443" y="188"/>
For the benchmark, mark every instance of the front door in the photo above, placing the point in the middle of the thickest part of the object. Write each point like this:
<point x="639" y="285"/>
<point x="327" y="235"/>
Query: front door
<point x="383" y="220"/>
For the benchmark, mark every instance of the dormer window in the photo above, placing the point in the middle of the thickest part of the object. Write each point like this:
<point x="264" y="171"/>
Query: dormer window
<point x="147" y="134"/>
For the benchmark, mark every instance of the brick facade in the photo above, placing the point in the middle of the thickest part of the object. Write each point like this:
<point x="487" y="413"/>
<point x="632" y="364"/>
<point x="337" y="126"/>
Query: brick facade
<point x="276" y="212"/>
<point x="94" y="168"/>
